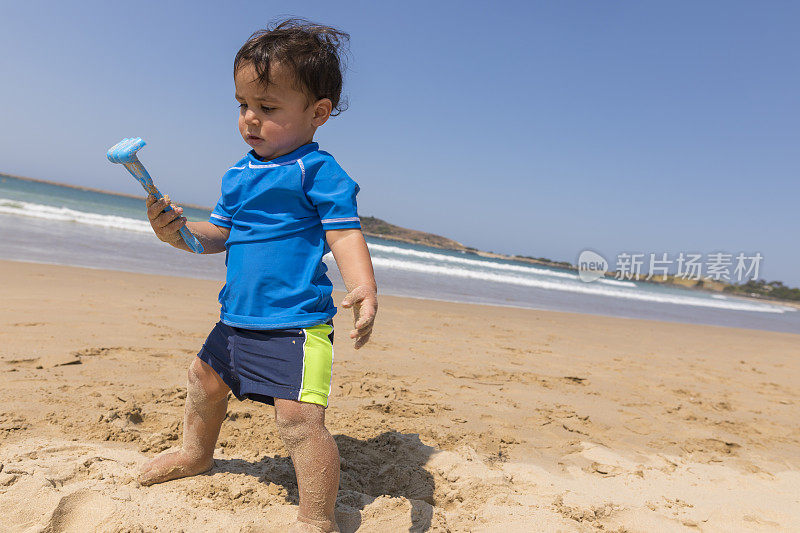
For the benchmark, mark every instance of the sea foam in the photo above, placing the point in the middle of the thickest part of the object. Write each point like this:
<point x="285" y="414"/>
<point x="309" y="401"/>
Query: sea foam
<point x="576" y="286"/>
<point x="64" y="214"/>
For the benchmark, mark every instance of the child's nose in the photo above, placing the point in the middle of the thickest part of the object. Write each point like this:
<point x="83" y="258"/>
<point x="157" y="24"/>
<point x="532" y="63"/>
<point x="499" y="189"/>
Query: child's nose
<point x="250" y="116"/>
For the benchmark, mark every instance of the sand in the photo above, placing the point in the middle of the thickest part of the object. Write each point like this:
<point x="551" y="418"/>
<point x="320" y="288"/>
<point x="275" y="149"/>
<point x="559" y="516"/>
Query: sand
<point x="455" y="417"/>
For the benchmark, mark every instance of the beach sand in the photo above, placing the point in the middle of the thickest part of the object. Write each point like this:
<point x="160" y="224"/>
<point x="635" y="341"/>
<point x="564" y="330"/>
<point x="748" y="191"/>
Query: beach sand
<point x="455" y="417"/>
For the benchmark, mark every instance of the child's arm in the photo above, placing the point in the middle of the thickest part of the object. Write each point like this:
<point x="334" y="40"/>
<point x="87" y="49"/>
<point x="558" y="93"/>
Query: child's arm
<point x="167" y="224"/>
<point x="352" y="257"/>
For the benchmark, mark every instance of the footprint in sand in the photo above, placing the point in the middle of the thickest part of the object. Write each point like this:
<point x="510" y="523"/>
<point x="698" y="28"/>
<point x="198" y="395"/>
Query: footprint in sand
<point x="79" y="512"/>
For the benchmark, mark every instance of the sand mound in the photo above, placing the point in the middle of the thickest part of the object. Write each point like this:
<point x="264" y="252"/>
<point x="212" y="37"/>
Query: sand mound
<point x="394" y="483"/>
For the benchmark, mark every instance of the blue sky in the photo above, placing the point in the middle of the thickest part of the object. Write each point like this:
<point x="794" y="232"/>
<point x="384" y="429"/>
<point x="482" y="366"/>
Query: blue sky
<point x="536" y="128"/>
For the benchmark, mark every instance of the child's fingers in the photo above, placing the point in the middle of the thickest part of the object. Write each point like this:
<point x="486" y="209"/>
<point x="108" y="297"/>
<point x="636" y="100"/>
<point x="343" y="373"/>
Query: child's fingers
<point x="155" y="208"/>
<point x="362" y="328"/>
<point x="355" y="296"/>
<point x="166" y="218"/>
<point x="362" y="341"/>
<point x="359" y="295"/>
<point x="363" y="322"/>
<point x="364" y="317"/>
<point x="360" y="332"/>
<point x="349" y="300"/>
<point x="174" y="226"/>
<point x="364" y="314"/>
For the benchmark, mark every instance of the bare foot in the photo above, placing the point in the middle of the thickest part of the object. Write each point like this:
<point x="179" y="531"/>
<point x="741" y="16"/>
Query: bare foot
<point x="305" y="527"/>
<point x="172" y="465"/>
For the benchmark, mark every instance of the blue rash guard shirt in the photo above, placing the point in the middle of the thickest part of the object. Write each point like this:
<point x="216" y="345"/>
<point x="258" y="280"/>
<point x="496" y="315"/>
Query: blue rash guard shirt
<point x="278" y="212"/>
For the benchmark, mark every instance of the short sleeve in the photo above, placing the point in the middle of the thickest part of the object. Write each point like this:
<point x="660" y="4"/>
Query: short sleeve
<point x="220" y="216"/>
<point x="333" y="194"/>
<point x="222" y="213"/>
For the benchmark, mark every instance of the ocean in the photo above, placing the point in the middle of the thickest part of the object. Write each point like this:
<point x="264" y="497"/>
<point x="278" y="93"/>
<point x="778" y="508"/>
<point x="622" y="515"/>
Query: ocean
<point x="50" y="223"/>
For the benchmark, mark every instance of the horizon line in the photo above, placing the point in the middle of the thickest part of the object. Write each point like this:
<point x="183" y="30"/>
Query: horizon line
<point x="93" y="189"/>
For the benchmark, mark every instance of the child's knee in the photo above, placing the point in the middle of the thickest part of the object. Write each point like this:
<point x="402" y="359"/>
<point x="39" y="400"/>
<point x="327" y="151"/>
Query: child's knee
<point x="203" y="380"/>
<point x="298" y="421"/>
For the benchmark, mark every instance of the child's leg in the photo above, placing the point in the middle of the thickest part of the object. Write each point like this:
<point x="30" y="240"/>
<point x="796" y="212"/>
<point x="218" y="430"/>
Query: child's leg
<point x="316" y="462"/>
<point x="206" y="405"/>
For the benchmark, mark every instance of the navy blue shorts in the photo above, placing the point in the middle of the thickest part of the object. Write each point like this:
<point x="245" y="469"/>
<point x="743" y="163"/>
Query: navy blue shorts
<point x="261" y="365"/>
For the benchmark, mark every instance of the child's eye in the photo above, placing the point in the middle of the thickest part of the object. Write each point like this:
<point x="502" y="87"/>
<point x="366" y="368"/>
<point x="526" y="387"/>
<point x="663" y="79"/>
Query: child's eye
<point x="242" y="105"/>
<point x="266" y="109"/>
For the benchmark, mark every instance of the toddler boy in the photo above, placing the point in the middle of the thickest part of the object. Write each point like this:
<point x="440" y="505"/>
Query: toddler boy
<point x="283" y="206"/>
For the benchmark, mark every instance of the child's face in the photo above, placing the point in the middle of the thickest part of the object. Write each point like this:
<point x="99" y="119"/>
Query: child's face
<point x="277" y="119"/>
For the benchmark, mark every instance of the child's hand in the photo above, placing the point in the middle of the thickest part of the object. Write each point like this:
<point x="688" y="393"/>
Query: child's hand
<point x="165" y="224"/>
<point x="364" y="300"/>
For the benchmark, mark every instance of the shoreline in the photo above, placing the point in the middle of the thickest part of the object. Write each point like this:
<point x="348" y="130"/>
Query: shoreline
<point x="467" y="251"/>
<point x="558" y="265"/>
<point x="406" y="296"/>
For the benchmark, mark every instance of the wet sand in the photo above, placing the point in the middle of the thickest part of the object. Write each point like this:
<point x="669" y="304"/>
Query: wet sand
<point x="455" y="417"/>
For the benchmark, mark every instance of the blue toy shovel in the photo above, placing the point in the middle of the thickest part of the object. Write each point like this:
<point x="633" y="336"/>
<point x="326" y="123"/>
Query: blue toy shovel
<point x="124" y="152"/>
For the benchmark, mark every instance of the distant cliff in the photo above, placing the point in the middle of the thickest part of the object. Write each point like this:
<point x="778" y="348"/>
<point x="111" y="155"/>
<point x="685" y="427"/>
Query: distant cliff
<point x="376" y="227"/>
<point x="380" y="228"/>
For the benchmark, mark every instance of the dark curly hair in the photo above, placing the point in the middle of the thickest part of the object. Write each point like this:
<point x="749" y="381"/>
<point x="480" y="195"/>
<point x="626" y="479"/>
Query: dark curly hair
<point x="311" y="51"/>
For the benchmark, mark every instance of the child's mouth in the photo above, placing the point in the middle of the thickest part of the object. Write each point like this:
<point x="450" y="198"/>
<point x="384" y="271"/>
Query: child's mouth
<point x="253" y="139"/>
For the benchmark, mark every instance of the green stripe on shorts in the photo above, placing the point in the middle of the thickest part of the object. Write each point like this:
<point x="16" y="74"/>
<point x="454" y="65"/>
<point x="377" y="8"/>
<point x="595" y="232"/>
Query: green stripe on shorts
<point x="317" y="363"/>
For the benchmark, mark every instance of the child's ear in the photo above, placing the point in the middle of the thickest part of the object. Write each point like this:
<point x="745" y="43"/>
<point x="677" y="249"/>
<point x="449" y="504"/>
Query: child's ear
<point x="322" y="111"/>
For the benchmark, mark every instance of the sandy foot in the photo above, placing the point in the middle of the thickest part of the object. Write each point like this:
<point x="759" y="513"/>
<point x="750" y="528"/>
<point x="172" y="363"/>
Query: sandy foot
<point x="170" y="466"/>
<point x="302" y="527"/>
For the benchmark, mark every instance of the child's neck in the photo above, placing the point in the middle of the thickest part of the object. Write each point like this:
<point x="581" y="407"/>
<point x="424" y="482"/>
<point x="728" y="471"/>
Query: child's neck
<point x="281" y="155"/>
